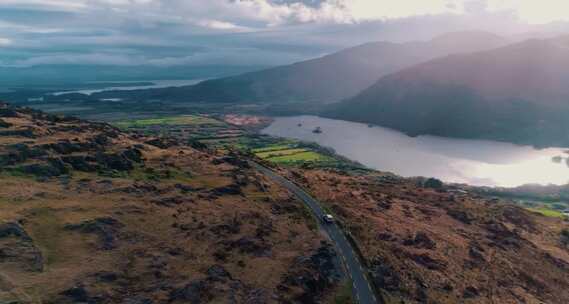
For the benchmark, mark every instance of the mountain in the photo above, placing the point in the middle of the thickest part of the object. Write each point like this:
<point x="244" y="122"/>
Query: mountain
<point x="58" y="76"/>
<point x="518" y="93"/>
<point x="327" y="79"/>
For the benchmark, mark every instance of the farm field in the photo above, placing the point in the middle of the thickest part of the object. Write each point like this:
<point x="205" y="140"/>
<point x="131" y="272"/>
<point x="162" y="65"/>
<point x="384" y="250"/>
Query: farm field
<point x="169" y="121"/>
<point x="218" y="133"/>
<point x="548" y="212"/>
<point x="292" y="156"/>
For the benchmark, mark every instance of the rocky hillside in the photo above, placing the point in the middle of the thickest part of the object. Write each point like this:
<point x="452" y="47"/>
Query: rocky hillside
<point x="426" y="245"/>
<point x="89" y="214"/>
<point x="322" y="80"/>
<point x="516" y="93"/>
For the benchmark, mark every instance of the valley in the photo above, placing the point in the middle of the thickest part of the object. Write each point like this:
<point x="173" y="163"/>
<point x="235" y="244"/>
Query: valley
<point x="290" y="142"/>
<point x="283" y="152"/>
<point x="159" y="192"/>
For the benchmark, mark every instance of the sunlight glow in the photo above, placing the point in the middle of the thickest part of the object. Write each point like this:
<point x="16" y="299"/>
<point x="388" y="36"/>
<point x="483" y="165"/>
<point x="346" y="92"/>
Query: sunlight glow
<point x="532" y="11"/>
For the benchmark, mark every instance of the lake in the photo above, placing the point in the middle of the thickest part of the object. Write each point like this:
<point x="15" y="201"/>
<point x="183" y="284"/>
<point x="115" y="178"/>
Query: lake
<point x="156" y="84"/>
<point x="476" y="162"/>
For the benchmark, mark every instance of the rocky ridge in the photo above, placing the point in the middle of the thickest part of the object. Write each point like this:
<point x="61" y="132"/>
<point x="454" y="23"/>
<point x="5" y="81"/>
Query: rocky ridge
<point x="89" y="214"/>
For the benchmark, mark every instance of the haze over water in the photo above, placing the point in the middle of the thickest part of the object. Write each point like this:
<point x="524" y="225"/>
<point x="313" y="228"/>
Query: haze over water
<point x="156" y="84"/>
<point x="476" y="162"/>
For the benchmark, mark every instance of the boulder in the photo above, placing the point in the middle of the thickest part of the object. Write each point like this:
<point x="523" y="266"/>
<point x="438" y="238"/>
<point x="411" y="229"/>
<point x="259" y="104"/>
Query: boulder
<point x="460" y="216"/>
<point x="233" y="189"/>
<point x="162" y="143"/>
<point x="324" y="262"/>
<point x="249" y="245"/>
<point x="106" y="276"/>
<point x="132" y="154"/>
<point x="81" y="162"/>
<point x="8" y="112"/>
<point x="564" y="238"/>
<point x="235" y="161"/>
<point x="13" y="229"/>
<point x="196" y="144"/>
<point x="77" y="294"/>
<point x="106" y="228"/>
<point x="420" y="240"/>
<point x="101" y="139"/>
<point x="218" y="273"/>
<point x="229" y="228"/>
<point x="17" y="247"/>
<point x="502" y="236"/>
<point x="137" y="300"/>
<point x="195" y="292"/>
<point x="18" y="153"/>
<point x="27" y="133"/>
<point x="470" y="292"/>
<point x="385" y="276"/>
<point x="185" y="188"/>
<point x="170" y="201"/>
<point x="65" y="147"/>
<point x="114" y="161"/>
<point x="314" y="275"/>
<point x="426" y="261"/>
<point x="4" y="124"/>
<point x="476" y="253"/>
<point x="519" y="217"/>
<point x="54" y="167"/>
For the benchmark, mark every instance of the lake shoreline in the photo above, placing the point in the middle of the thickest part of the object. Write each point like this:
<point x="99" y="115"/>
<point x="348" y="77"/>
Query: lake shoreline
<point x="459" y="155"/>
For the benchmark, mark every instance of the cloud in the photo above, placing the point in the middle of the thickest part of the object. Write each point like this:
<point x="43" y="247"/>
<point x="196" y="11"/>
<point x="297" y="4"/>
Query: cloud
<point x="537" y="12"/>
<point x="5" y="42"/>
<point x="222" y="25"/>
<point x="267" y="32"/>
<point x="66" y="5"/>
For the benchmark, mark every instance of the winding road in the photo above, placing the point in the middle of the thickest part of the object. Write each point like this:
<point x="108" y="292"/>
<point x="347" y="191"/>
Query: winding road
<point x="363" y="292"/>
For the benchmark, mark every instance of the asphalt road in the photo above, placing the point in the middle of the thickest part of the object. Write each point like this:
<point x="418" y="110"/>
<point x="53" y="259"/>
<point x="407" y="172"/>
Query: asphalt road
<point x="363" y="292"/>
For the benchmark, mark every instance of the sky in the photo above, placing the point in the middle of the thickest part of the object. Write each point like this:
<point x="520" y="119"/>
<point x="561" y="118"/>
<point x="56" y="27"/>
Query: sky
<point x="165" y="33"/>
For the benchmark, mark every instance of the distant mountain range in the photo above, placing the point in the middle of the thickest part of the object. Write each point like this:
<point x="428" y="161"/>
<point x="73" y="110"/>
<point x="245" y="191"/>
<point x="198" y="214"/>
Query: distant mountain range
<point x="50" y="76"/>
<point x="517" y="93"/>
<point x="323" y="80"/>
<point x="467" y="84"/>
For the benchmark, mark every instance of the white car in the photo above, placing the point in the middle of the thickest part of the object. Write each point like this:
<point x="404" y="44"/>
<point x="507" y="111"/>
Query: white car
<point x="328" y="218"/>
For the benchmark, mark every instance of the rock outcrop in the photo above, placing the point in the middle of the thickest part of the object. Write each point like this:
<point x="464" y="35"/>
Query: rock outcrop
<point x="17" y="248"/>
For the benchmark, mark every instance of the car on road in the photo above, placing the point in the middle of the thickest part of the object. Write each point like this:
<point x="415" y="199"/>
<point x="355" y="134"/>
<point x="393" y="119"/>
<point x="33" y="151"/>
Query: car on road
<point x="328" y="218"/>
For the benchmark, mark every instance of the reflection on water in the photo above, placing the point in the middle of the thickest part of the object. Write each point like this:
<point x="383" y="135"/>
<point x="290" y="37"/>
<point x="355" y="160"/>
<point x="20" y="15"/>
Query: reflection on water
<point x="454" y="160"/>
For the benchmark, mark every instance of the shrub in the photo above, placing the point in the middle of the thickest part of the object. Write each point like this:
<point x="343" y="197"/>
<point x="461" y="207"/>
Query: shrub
<point x="565" y="237"/>
<point x="433" y="183"/>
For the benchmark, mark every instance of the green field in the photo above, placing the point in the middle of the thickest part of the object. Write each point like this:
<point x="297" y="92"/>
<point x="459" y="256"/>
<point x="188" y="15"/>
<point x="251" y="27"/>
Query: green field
<point x="285" y="153"/>
<point x="277" y="153"/>
<point x="307" y="156"/>
<point x="271" y="148"/>
<point x="219" y="135"/>
<point x="168" y="121"/>
<point x="547" y="212"/>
